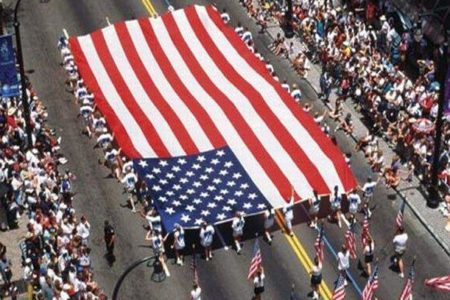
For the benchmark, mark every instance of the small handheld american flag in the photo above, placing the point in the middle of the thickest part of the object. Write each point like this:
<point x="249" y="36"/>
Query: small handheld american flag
<point x="318" y="245"/>
<point x="407" y="289"/>
<point x="400" y="215"/>
<point x="350" y="241"/>
<point x="339" y="288"/>
<point x="371" y="286"/>
<point x="439" y="283"/>
<point x="365" y="231"/>
<point x="256" y="260"/>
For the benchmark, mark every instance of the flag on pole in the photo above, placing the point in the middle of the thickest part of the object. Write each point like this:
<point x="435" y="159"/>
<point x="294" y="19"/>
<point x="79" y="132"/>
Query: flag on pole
<point x="400" y="215"/>
<point x="365" y="231"/>
<point x="339" y="288"/>
<point x="194" y="265"/>
<point x="439" y="283"/>
<point x="371" y="286"/>
<point x="407" y="289"/>
<point x="318" y="245"/>
<point x="350" y="241"/>
<point x="256" y="260"/>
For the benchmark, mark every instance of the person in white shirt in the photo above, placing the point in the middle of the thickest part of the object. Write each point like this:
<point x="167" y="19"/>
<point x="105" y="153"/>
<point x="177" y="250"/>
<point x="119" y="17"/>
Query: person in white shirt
<point x="314" y="207"/>
<point x="353" y="203"/>
<point x="196" y="292"/>
<point x="316" y="278"/>
<point x="178" y="243"/>
<point x="296" y="93"/>
<point x="285" y="85"/>
<point x="288" y="211"/>
<point x="258" y="282"/>
<point x="84" y="230"/>
<point x="335" y="201"/>
<point x="247" y="36"/>
<point x="157" y="241"/>
<point x="105" y="139"/>
<point x="343" y="258"/>
<point x="130" y="180"/>
<point x="225" y="16"/>
<point x="238" y="230"/>
<point x="368" y="191"/>
<point x="206" y="238"/>
<point x="153" y="219"/>
<point x="269" y="217"/>
<point x="399" y="241"/>
<point x="239" y="30"/>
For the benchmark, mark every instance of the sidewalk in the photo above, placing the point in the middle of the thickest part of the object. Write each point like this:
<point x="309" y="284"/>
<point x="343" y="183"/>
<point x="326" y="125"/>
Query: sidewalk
<point x="412" y="192"/>
<point x="11" y="239"/>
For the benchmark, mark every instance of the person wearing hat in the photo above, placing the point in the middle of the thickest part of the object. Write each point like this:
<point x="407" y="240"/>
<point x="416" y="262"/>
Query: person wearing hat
<point x="178" y="243"/>
<point x="206" y="238"/>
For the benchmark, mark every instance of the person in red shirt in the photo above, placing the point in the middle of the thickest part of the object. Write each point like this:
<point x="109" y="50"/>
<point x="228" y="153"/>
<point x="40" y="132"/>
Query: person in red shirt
<point x="371" y="12"/>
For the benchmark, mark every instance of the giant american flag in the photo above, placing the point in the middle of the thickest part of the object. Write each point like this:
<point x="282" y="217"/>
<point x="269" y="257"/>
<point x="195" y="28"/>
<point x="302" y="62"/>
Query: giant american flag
<point x="185" y="84"/>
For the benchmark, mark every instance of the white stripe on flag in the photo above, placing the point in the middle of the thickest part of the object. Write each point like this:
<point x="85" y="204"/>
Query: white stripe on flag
<point x="140" y="96"/>
<point x="185" y="115"/>
<point x="134" y="132"/>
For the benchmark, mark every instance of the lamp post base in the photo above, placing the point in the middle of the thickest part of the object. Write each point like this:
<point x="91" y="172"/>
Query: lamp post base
<point x="288" y="31"/>
<point x="434" y="198"/>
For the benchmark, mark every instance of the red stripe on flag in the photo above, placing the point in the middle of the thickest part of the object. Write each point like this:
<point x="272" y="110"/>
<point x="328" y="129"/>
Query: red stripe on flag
<point x="147" y="127"/>
<point x="330" y="150"/>
<point x="247" y="135"/>
<point x="152" y="91"/>
<point x="113" y="121"/>
<point x="199" y="112"/>
<point x="296" y="153"/>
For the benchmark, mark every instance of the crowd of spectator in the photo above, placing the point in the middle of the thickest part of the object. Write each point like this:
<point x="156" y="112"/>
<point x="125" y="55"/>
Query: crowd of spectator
<point x="55" y="249"/>
<point x="363" y="57"/>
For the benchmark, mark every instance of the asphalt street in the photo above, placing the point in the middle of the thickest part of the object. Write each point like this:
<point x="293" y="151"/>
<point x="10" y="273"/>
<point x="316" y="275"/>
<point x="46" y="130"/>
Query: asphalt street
<point x="100" y="198"/>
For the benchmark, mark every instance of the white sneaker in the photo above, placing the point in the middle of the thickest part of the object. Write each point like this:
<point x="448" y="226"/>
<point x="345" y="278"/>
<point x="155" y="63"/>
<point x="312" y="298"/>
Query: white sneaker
<point x="401" y="275"/>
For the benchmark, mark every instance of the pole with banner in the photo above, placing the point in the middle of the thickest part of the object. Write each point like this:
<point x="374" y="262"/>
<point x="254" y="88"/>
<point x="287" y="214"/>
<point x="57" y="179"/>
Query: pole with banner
<point x="444" y="99"/>
<point x="9" y="82"/>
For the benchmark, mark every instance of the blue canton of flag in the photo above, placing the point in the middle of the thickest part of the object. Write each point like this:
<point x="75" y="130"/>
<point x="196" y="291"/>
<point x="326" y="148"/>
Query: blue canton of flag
<point x="210" y="186"/>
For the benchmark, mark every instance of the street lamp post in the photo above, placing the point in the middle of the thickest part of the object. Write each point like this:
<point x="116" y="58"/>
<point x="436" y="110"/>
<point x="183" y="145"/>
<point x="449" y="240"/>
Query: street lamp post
<point x="25" y="103"/>
<point x="288" y="30"/>
<point x="433" y="196"/>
